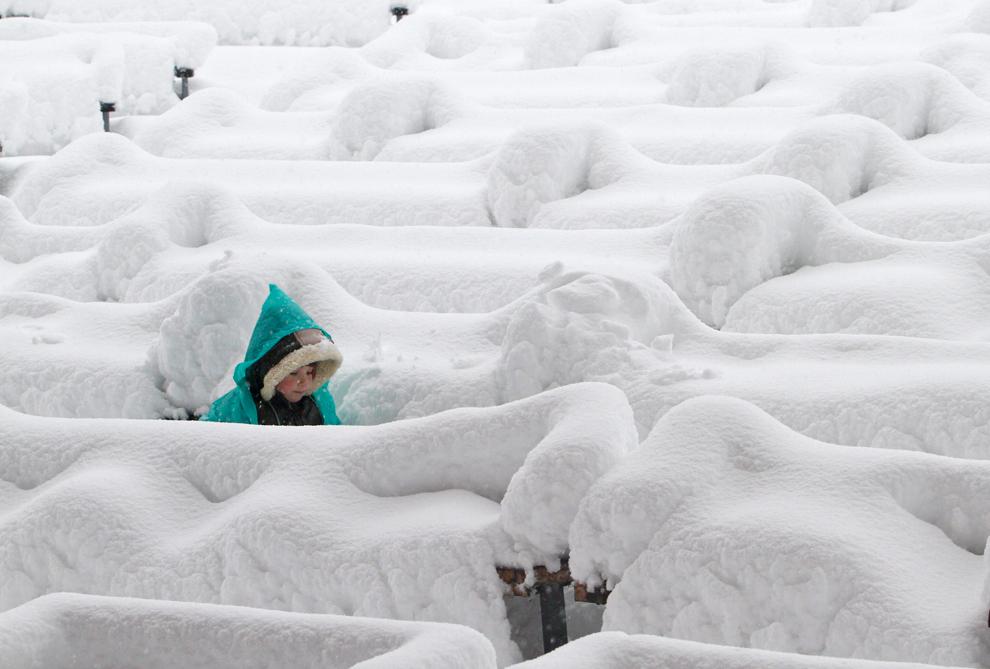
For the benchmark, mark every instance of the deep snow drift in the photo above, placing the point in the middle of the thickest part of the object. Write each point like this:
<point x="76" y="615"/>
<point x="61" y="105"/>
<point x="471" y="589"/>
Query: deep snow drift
<point x="760" y="230"/>
<point x="402" y="521"/>
<point x="726" y="527"/>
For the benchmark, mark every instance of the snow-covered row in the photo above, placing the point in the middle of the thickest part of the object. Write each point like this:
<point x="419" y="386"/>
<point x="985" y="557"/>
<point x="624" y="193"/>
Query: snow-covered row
<point x="64" y="630"/>
<point x="554" y="329"/>
<point x="755" y="230"/>
<point x="404" y="521"/>
<point x="311" y="23"/>
<point x="607" y="32"/>
<point x="191" y="42"/>
<point x="184" y="230"/>
<point x="418" y="118"/>
<point x="639" y="337"/>
<point x="743" y="242"/>
<point x="768" y="73"/>
<point x="854" y="580"/>
<point x="103" y="176"/>
<point x="617" y="650"/>
<point x="567" y="176"/>
<point x="854" y="35"/>
<point x="632" y="332"/>
<point x="490" y="205"/>
<point x="727" y="527"/>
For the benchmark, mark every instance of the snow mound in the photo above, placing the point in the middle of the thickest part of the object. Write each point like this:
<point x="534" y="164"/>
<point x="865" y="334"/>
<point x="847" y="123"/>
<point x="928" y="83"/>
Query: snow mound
<point x="374" y="113"/>
<point x="902" y="296"/>
<point x="912" y="99"/>
<point x="435" y="34"/>
<point x="841" y="156"/>
<point x="182" y="130"/>
<point x="753" y="229"/>
<point x="328" y="75"/>
<point x="564" y="34"/>
<point x="191" y="214"/>
<point x="978" y="20"/>
<point x="309" y="23"/>
<point x="85" y="156"/>
<point x="617" y="650"/>
<point x="965" y="56"/>
<point x="180" y="215"/>
<point x="839" y="13"/>
<point x="65" y="629"/>
<point x="558" y="445"/>
<point x="727" y="527"/>
<point x="540" y="165"/>
<point x="588" y="327"/>
<point x="408" y="516"/>
<point x="21" y="241"/>
<point x="707" y="77"/>
<point x="51" y="88"/>
<point x="201" y="343"/>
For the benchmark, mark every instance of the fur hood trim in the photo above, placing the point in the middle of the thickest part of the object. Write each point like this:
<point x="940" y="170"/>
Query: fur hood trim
<point x="325" y="354"/>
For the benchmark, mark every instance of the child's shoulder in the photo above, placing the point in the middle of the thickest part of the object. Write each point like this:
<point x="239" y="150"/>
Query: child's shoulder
<point x="234" y="407"/>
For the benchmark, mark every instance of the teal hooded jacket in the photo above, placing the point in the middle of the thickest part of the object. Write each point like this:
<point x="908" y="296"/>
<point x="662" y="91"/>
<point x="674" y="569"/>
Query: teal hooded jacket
<point x="280" y="316"/>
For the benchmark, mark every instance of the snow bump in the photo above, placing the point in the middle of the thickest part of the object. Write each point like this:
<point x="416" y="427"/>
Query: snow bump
<point x="716" y="530"/>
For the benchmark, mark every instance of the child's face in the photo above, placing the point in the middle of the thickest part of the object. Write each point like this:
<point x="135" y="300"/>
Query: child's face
<point x="298" y="384"/>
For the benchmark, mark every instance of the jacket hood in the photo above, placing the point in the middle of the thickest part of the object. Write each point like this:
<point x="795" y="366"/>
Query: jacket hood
<point x="281" y="316"/>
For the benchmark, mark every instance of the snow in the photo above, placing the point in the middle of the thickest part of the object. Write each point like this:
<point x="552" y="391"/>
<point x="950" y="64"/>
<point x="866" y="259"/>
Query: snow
<point x="412" y="516"/>
<point x="727" y="527"/>
<point x="563" y="37"/>
<point x="66" y="629"/>
<point x="191" y="42"/>
<point x="692" y="292"/>
<point x="632" y="651"/>
<point x="36" y="121"/>
<point x="910" y="298"/>
<point x="103" y="176"/>
<point x="55" y="75"/>
<point x="343" y="22"/>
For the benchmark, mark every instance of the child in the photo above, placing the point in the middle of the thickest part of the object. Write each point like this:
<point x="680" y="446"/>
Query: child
<point x="283" y="378"/>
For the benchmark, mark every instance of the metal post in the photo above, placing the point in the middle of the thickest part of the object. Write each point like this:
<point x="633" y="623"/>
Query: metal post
<point x="553" y="615"/>
<point x="105" y="109"/>
<point x="185" y="74"/>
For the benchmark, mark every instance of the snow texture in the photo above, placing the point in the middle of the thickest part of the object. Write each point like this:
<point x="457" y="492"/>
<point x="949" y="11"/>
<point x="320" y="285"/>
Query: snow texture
<point x="752" y="235"/>
<point x="64" y="630"/>
<point x="618" y="650"/>
<point x="401" y="521"/>
<point x="55" y="75"/>
<point x="341" y="22"/>
<point x="727" y="527"/>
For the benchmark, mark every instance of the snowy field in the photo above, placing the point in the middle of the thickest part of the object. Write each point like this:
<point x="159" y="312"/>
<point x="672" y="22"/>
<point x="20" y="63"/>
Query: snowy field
<point x="692" y="293"/>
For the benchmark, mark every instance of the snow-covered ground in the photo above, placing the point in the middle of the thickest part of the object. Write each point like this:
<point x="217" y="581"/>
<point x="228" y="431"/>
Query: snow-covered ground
<point x="693" y="293"/>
